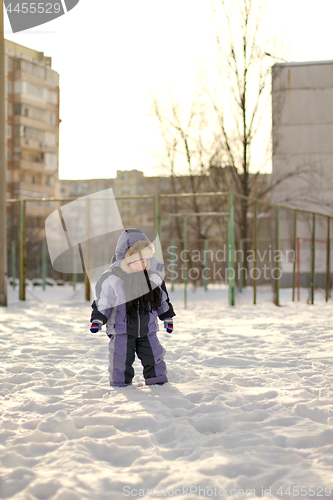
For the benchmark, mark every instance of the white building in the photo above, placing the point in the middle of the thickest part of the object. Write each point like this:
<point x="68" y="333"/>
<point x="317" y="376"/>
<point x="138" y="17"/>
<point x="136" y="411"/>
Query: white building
<point x="302" y="106"/>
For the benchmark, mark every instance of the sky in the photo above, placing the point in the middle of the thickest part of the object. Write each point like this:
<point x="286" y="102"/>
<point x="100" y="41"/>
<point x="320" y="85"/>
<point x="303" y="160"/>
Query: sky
<point x="111" y="57"/>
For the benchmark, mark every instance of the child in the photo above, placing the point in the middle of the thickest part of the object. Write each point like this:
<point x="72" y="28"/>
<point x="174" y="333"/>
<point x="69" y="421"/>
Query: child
<point x="129" y="298"/>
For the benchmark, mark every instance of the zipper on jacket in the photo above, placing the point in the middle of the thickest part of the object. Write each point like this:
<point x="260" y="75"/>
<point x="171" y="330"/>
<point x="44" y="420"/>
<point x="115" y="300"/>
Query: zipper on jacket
<point x="138" y="317"/>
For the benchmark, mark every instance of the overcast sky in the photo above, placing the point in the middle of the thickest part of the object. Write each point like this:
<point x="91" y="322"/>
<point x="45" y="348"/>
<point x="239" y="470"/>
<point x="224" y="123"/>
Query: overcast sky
<point x="111" y="54"/>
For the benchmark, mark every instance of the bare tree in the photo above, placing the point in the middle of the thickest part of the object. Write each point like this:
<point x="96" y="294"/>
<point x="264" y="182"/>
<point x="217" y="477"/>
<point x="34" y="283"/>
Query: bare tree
<point x="241" y="95"/>
<point x="189" y="151"/>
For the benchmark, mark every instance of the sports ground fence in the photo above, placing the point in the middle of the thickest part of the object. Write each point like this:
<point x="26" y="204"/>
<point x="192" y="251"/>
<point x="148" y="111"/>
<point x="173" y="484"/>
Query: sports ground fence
<point x="204" y="241"/>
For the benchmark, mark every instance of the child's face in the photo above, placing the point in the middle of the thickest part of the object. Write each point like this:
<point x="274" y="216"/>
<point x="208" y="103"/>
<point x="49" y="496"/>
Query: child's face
<point x="138" y="265"/>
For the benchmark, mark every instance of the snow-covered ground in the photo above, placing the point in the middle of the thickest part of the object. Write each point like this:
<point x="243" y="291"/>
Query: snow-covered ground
<point x="247" y="413"/>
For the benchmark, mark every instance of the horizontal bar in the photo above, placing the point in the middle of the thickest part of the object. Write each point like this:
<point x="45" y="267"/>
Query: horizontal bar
<point x="187" y="195"/>
<point x="199" y="213"/>
<point x="180" y="195"/>
<point x="137" y="196"/>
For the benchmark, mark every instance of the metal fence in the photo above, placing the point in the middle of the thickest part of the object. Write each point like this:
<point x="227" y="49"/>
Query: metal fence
<point x="203" y="240"/>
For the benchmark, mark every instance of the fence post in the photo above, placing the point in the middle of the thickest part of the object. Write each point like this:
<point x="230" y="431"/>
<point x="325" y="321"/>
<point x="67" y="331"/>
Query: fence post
<point x="206" y="248"/>
<point x="328" y="251"/>
<point x="313" y="257"/>
<point x="295" y="253"/>
<point x="158" y="215"/>
<point x="44" y="263"/>
<point x="158" y="225"/>
<point x="13" y="259"/>
<point x="22" y="251"/>
<point x="255" y="275"/>
<point x="173" y="258"/>
<point x="74" y="271"/>
<point x="277" y="245"/>
<point x="231" y="247"/>
<point x="185" y="251"/>
<point x="240" y="266"/>
<point x="87" y="248"/>
<point x="298" y="258"/>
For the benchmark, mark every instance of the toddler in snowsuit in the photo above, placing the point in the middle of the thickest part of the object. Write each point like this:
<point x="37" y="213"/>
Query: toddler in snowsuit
<point x="130" y="297"/>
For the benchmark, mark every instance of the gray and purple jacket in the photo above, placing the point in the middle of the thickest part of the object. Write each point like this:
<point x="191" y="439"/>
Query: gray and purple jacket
<point x="110" y="304"/>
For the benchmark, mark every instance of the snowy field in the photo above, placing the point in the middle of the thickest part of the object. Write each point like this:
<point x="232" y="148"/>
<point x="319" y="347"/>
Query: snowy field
<point x="247" y="413"/>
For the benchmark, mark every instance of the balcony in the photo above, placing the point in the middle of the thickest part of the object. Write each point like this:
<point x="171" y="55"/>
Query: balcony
<point x="26" y="190"/>
<point x="34" y="145"/>
<point x="30" y="165"/>
<point x="38" y="80"/>
<point x="35" y="123"/>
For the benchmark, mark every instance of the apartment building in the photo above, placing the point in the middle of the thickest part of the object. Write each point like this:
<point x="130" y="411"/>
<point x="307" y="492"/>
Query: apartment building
<point x="32" y="134"/>
<point x="76" y="188"/>
<point x="302" y="101"/>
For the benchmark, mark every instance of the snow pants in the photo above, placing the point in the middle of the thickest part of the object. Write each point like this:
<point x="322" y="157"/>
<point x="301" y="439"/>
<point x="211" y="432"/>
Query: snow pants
<point x="122" y="349"/>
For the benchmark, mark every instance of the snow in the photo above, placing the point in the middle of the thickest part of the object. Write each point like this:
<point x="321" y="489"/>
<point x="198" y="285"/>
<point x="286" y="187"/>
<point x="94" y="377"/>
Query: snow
<point x="248" y="406"/>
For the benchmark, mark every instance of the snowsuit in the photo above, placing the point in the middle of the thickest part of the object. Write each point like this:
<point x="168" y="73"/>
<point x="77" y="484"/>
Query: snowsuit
<point x="129" y="334"/>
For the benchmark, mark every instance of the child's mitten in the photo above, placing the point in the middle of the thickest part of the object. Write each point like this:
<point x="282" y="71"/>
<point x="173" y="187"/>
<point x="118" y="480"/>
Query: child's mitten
<point x="96" y="326"/>
<point x="168" y="325"/>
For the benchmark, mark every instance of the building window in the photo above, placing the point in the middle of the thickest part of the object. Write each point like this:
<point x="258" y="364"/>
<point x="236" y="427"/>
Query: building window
<point x="9" y="109"/>
<point x="32" y="179"/>
<point x="8" y="132"/>
<point x="19" y="131"/>
<point x="9" y="64"/>
<point x="49" y="139"/>
<point x="50" y="118"/>
<point x="33" y="69"/>
<point x="32" y="157"/>
<point x="48" y="180"/>
<point x="9" y="154"/>
<point x="52" y="97"/>
<point x="9" y="88"/>
<point x="51" y="161"/>
<point x="19" y="87"/>
<point x="35" y="90"/>
<point x="17" y="108"/>
<point x="52" y="76"/>
<point x="33" y="112"/>
<point x="35" y="134"/>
